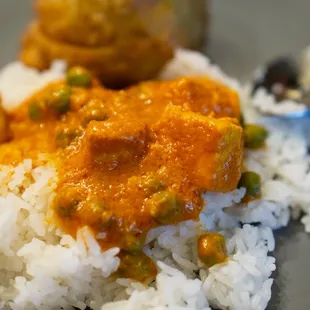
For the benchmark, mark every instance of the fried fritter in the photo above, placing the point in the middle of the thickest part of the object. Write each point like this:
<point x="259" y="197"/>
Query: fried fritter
<point x="110" y="38"/>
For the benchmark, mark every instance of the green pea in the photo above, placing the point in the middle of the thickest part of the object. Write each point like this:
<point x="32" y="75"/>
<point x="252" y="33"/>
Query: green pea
<point x="59" y="99"/>
<point x="35" y="111"/>
<point x="94" y="115"/>
<point x="137" y="266"/>
<point x="101" y="211"/>
<point x="67" y="202"/>
<point x="98" y="214"/>
<point x="132" y="243"/>
<point x="94" y="110"/>
<point x="255" y="136"/>
<point x="212" y="249"/>
<point x="252" y="183"/>
<point x="67" y="211"/>
<point x="107" y="219"/>
<point x="66" y="208"/>
<point x="165" y="207"/>
<point x="151" y="185"/>
<point x="65" y="137"/>
<point x="78" y="76"/>
<point x="242" y="120"/>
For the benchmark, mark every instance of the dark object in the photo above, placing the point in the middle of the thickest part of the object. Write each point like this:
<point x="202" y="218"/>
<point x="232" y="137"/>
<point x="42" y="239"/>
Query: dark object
<point x="284" y="72"/>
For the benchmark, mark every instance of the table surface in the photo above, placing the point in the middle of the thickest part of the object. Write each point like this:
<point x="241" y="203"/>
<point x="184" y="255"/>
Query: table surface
<point x="243" y="35"/>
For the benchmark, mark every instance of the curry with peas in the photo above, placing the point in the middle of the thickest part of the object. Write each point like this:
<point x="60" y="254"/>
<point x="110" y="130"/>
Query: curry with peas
<point x="132" y="160"/>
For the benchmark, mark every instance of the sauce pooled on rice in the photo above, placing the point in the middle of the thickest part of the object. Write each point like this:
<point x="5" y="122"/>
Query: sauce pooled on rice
<point x="131" y="160"/>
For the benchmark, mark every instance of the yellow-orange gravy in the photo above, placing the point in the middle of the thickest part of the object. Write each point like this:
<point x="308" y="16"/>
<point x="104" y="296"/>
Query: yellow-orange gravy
<point x="132" y="160"/>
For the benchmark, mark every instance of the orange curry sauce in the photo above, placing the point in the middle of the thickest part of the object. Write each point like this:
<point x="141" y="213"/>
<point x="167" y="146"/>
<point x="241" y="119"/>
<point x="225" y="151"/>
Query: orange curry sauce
<point x="132" y="160"/>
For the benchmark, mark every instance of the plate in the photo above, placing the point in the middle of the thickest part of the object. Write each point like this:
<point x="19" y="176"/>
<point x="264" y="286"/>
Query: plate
<point x="240" y="39"/>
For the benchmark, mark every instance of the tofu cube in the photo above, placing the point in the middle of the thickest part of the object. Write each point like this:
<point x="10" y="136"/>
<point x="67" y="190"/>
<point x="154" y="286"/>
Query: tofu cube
<point x="205" y="150"/>
<point x="111" y="143"/>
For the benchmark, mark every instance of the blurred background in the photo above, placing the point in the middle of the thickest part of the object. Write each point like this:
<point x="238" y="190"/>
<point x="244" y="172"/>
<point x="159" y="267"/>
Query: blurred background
<point x="242" y="35"/>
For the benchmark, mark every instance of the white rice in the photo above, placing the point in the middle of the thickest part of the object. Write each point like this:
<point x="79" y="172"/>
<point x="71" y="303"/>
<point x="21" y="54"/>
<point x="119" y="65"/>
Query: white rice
<point x="41" y="268"/>
<point x="28" y="80"/>
<point x="266" y="103"/>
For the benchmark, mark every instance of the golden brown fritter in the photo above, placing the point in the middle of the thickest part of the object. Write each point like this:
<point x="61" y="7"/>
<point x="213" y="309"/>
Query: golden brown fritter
<point x="91" y="22"/>
<point x="111" y="38"/>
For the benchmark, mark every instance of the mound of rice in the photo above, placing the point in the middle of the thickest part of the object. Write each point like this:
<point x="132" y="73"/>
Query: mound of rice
<point x="42" y="268"/>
